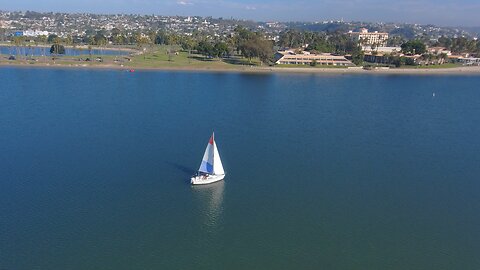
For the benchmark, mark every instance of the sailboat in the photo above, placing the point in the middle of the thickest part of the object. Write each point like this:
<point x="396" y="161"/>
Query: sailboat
<point x="211" y="168"/>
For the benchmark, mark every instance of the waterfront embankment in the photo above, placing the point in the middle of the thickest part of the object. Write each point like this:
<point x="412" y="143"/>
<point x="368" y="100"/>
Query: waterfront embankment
<point x="168" y="58"/>
<point x="250" y="69"/>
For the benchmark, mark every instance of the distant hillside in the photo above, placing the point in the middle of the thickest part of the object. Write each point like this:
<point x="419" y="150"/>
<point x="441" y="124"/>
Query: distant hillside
<point x="407" y="31"/>
<point x="319" y="27"/>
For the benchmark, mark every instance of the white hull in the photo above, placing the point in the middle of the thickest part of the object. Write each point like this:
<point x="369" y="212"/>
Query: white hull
<point x="204" y="180"/>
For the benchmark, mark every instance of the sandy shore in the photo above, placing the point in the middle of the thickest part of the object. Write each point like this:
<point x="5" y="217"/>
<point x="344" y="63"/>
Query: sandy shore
<point x="472" y="70"/>
<point x="409" y="71"/>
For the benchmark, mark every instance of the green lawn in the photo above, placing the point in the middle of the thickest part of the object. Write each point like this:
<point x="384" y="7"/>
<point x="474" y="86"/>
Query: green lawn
<point x="154" y="57"/>
<point x="158" y="57"/>
<point x="161" y="56"/>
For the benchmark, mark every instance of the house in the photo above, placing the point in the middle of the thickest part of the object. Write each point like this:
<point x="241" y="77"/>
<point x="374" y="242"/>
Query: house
<point x="439" y="50"/>
<point x="381" y="49"/>
<point x="378" y="58"/>
<point x="290" y="57"/>
<point x="34" y="33"/>
<point x="469" y="61"/>
<point x="366" y="38"/>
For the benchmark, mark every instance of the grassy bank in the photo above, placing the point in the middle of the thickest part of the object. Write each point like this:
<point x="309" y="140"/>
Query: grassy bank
<point x="165" y="57"/>
<point x="172" y="58"/>
<point x="162" y="57"/>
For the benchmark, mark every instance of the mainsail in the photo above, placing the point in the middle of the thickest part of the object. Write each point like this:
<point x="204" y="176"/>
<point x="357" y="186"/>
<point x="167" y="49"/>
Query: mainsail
<point x="211" y="162"/>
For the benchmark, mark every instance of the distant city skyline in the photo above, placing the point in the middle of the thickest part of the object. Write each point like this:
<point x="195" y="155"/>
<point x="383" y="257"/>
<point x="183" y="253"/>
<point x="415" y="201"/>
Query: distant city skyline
<point x="440" y="12"/>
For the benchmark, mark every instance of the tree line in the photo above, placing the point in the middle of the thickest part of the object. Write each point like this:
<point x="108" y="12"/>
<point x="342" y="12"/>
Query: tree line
<point x="254" y="44"/>
<point x="335" y="42"/>
<point x="459" y="45"/>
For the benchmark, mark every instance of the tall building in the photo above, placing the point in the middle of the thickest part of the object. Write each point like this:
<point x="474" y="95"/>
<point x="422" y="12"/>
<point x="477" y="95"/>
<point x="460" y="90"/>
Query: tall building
<point x="366" y="38"/>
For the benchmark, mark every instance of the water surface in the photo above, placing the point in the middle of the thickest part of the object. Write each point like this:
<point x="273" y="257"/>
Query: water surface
<point x="323" y="172"/>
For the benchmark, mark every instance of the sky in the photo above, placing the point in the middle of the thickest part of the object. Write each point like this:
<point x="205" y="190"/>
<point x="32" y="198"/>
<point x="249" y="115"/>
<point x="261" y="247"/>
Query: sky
<point x="438" y="12"/>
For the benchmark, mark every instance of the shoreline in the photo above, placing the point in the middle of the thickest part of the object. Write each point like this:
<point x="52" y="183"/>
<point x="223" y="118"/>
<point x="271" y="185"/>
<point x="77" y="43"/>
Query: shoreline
<point x="466" y="70"/>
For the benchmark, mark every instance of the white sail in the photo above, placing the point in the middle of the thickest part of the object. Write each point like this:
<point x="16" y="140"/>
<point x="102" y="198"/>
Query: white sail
<point x="207" y="162"/>
<point x="217" y="162"/>
<point x="211" y="162"/>
<point x="211" y="166"/>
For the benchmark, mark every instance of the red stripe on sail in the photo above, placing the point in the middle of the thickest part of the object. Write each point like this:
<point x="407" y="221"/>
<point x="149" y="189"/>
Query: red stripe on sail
<point x="211" y="140"/>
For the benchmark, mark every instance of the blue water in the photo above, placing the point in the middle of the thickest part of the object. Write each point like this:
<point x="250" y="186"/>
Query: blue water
<point x="323" y="172"/>
<point x="41" y="51"/>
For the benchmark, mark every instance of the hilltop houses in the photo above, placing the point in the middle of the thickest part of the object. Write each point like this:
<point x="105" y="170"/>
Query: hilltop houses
<point x="31" y="33"/>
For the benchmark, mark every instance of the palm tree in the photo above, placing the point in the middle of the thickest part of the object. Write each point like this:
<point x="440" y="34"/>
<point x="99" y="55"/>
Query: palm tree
<point x="18" y="42"/>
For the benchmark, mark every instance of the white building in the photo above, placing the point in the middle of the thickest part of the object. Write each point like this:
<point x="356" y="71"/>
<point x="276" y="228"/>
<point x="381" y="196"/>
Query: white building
<point x="34" y="33"/>
<point x="381" y="49"/>
<point x="470" y="61"/>
<point x="439" y="50"/>
<point x="306" y="58"/>
<point x="369" y="38"/>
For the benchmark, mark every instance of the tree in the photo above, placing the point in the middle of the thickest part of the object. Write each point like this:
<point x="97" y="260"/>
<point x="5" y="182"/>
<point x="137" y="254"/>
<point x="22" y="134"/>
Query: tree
<point x="398" y="61"/>
<point x="290" y="39"/>
<point x="57" y="49"/>
<point x="395" y="41"/>
<point x="188" y="43"/>
<point x="444" y="42"/>
<point x="408" y="61"/>
<point x="161" y="38"/>
<point x="100" y="39"/>
<point x="414" y="47"/>
<point x="205" y="48"/>
<point x="172" y="39"/>
<point x="51" y="38"/>
<point x="254" y="44"/>
<point x="321" y="45"/>
<point x="357" y="57"/>
<point x="265" y="50"/>
<point x="3" y="32"/>
<point x="18" y="42"/>
<point x="221" y="49"/>
<point x="117" y="37"/>
<point x="115" y="32"/>
<point x="42" y="39"/>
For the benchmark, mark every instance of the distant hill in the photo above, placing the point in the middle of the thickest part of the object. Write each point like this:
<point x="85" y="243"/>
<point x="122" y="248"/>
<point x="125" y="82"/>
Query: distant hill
<point x="404" y="30"/>
<point x="319" y="27"/>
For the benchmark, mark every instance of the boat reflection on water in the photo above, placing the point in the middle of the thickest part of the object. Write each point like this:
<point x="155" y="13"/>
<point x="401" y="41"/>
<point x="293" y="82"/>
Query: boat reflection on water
<point x="209" y="198"/>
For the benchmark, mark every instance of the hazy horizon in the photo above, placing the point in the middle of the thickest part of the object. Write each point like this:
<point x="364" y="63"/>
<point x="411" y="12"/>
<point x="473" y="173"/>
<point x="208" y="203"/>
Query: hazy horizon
<point x="441" y="13"/>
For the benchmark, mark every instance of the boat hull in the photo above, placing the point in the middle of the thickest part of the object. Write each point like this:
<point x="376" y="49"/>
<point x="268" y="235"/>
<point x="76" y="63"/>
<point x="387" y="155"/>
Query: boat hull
<point x="205" y="180"/>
